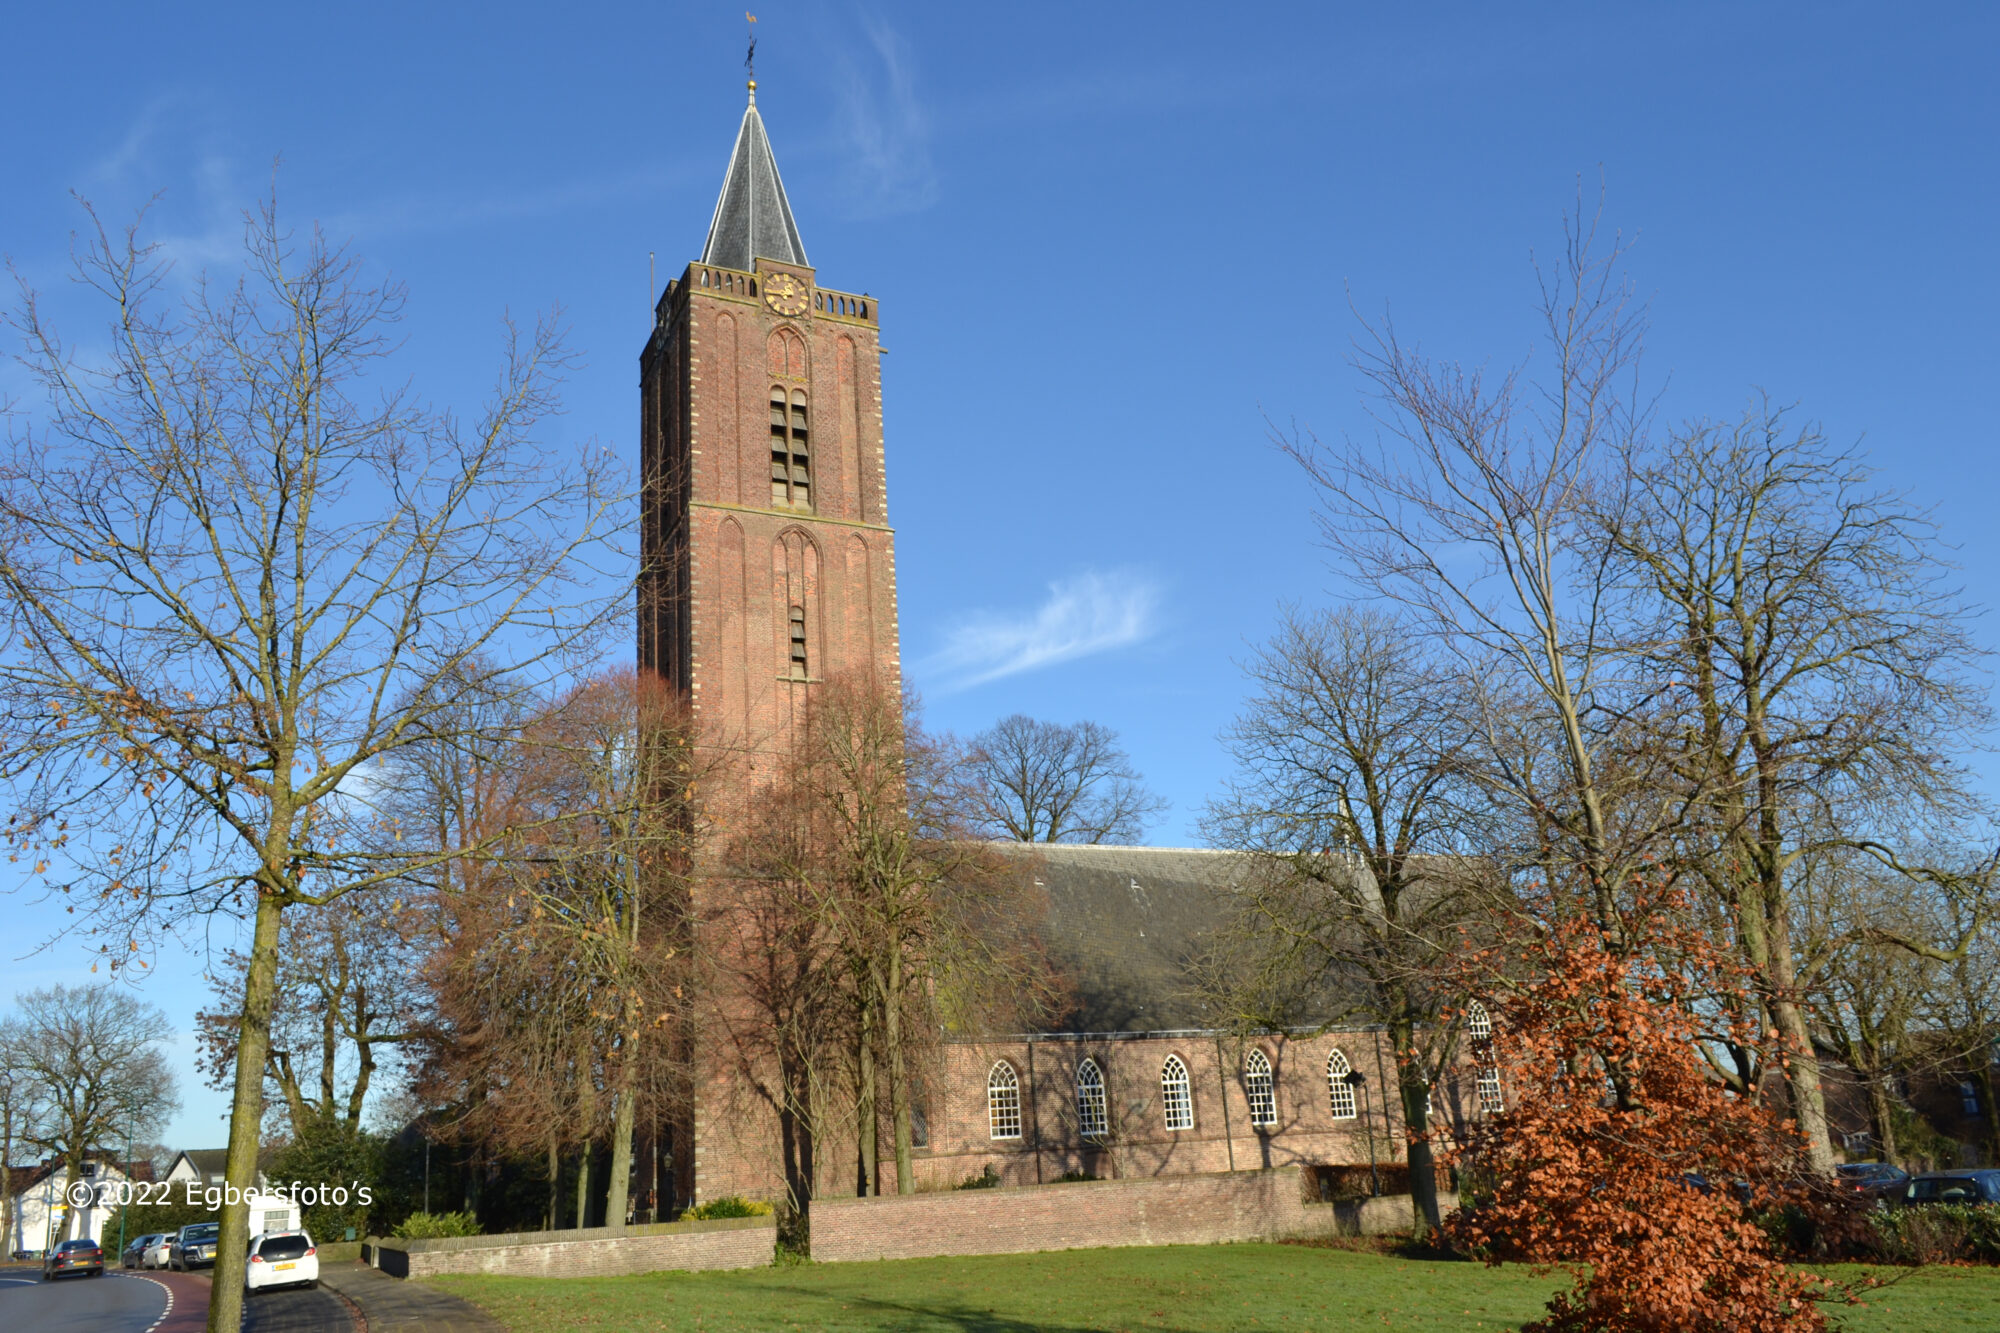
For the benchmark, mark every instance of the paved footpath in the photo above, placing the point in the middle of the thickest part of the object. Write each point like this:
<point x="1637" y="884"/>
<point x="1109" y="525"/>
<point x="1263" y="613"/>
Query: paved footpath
<point x="397" y="1305"/>
<point x="298" y="1310"/>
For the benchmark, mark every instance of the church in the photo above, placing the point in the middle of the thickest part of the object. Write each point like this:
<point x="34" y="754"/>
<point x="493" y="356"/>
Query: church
<point x="769" y="565"/>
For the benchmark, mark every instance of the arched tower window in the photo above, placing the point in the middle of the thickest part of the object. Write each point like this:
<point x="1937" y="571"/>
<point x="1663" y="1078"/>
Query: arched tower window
<point x="1478" y="1023"/>
<point x="1003" y="1101"/>
<point x="1258" y="1087"/>
<point x="798" y="633"/>
<point x="1174" y="1094"/>
<point x="791" y="462"/>
<point x="1092" y="1116"/>
<point x="1339" y="1092"/>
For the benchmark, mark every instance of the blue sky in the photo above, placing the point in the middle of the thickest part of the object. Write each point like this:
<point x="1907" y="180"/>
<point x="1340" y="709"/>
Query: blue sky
<point x="1108" y="242"/>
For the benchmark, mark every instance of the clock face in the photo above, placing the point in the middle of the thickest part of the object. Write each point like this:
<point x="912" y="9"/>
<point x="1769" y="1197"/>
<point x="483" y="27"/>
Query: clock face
<point x="785" y="294"/>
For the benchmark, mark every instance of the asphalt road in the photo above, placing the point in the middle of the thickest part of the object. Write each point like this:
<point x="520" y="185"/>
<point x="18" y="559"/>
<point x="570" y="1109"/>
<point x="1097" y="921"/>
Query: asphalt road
<point x="109" y="1304"/>
<point x="121" y="1303"/>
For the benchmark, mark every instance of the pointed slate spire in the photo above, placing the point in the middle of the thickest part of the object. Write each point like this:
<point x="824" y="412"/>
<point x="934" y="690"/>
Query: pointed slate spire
<point x="753" y="219"/>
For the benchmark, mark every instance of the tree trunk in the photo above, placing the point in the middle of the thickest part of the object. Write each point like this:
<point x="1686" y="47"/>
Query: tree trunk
<point x="1989" y="1107"/>
<point x="365" y="1052"/>
<point x="1881" y="1117"/>
<point x="899" y="1077"/>
<point x="1802" y="1080"/>
<point x="474" y="1169"/>
<point x="624" y="1112"/>
<point x="555" y="1182"/>
<point x="1802" y="1073"/>
<point x="582" y="1185"/>
<point x="7" y="1243"/>
<point x="795" y="1132"/>
<point x="71" y="1171"/>
<point x="866" y="1129"/>
<point x="1413" y="1091"/>
<point x="246" y="1115"/>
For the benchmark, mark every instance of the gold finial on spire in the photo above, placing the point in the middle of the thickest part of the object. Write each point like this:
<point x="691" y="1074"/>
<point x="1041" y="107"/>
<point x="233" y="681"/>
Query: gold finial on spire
<point x="750" y="60"/>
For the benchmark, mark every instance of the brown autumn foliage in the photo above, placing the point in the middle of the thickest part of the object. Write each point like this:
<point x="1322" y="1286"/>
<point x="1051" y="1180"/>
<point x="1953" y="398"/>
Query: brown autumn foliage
<point x="1619" y="1157"/>
<point x="560" y="987"/>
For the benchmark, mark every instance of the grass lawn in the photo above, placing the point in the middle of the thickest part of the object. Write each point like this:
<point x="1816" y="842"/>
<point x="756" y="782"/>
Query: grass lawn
<point x="1172" y="1289"/>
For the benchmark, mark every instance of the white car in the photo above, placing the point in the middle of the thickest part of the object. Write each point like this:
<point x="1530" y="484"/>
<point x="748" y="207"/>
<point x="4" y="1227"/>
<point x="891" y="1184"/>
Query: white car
<point x="153" y="1254"/>
<point x="281" y="1259"/>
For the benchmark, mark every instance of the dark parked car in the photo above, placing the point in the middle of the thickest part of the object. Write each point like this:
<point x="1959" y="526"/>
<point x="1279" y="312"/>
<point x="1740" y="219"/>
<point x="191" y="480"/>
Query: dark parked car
<point x="1875" y="1180"/>
<point x="73" y="1256"/>
<point x="1973" y="1185"/>
<point x="194" y="1247"/>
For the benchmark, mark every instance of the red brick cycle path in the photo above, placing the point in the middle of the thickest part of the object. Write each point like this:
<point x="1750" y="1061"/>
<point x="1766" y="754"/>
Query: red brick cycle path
<point x="187" y="1300"/>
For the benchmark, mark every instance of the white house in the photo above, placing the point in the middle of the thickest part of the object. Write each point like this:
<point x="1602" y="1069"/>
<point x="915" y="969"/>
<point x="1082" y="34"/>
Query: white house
<point x="201" y="1170"/>
<point x="42" y="1216"/>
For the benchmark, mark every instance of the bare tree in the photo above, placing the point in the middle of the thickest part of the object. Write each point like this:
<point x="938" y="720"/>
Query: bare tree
<point x="867" y="931"/>
<point x="507" y="1058"/>
<point x="1053" y="782"/>
<point x="1866" y="997"/>
<point x="345" y="992"/>
<point x="612" y="772"/>
<point x="1478" y="516"/>
<point x="92" y="1057"/>
<point x="1960" y="1011"/>
<point x="1814" y="662"/>
<point x="240" y="569"/>
<point x="21" y="1108"/>
<point x="1356" y="784"/>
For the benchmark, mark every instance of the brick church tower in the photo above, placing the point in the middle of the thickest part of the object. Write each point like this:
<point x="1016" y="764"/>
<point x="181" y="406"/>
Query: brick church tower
<point x="768" y="565"/>
<point x="768" y="562"/>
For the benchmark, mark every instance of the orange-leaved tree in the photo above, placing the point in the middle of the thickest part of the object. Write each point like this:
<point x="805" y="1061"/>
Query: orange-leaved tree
<point x="1618" y="1156"/>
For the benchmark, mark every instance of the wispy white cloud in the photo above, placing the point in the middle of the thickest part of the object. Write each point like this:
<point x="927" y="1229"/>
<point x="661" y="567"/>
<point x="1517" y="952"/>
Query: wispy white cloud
<point x="176" y="153"/>
<point x="886" y="131"/>
<point x="1089" y="613"/>
<point x="461" y="210"/>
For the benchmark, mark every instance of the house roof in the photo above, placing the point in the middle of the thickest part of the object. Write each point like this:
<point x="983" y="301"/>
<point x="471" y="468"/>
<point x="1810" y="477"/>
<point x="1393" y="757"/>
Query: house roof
<point x="22" y="1178"/>
<point x="211" y="1163"/>
<point x="753" y="218"/>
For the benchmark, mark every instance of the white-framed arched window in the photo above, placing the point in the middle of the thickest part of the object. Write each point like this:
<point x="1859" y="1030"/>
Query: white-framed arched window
<point x="1092" y="1116"/>
<point x="1339" y="1092"/>
<point x="1259" y="1089"/>
<point x="1175" y="1096"/>
<point x="1491" y="1102"/>
<point x="1003" y="1101"/>
<point x="1478" y="1023"/>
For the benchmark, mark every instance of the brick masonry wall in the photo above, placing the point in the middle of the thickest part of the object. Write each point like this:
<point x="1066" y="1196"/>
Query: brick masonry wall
<point x="961" y="1142"/>
<point x="746" y="1242"/>
<point x="1171" y="1210"/>
<point x="739" y="1146"/>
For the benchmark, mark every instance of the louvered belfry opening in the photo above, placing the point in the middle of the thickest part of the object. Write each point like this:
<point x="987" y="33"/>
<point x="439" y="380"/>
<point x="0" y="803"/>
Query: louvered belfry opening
<point x="799" y="643"/>
<point x="791" y="462"/>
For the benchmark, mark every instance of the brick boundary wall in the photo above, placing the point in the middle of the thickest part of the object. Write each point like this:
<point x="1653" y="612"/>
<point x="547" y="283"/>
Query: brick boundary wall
<point x="1161" y="1210"/>
<point x="731" y="1242"/>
